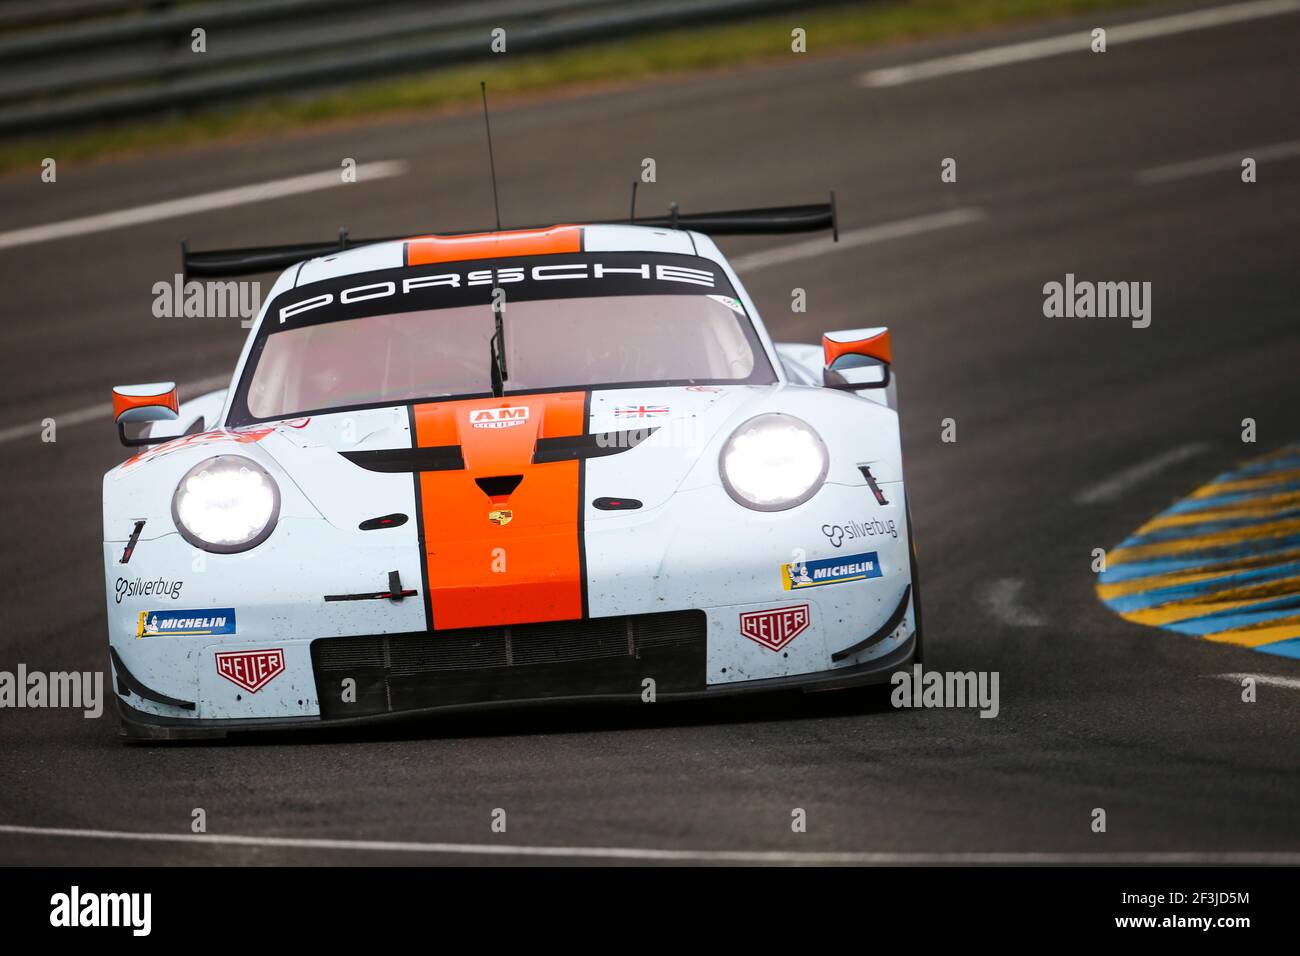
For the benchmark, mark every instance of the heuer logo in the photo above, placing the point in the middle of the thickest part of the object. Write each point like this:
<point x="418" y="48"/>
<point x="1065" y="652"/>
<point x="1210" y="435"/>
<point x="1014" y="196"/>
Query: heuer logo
<point x="776" y="628"/>
<point x="251" y="670"/>
<point x="506" y="417"/>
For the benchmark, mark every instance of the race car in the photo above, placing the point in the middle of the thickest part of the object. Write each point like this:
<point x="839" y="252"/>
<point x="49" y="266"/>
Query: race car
<point x="533" y="465"/>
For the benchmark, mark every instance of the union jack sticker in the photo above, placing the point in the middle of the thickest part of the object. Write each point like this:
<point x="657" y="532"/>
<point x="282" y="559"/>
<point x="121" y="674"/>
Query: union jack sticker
<point x="640" y="411"/>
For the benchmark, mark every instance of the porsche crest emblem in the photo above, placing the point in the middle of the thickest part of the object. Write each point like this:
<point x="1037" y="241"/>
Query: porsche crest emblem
<point x="500" y="516"/>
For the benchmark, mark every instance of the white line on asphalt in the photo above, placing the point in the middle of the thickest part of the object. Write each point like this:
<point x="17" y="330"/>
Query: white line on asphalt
<point x="1214" y="164"/>
<point x="648" y="854"/>
<point x="104" y="410"/>
<point x="1002" y="599"/>
<point x="1114" y="488"/>
<point x="1271" y="680"/>
<point x="221" y="199"/>
<point x="857" y="237"/>
<point x="1078" y="42"/>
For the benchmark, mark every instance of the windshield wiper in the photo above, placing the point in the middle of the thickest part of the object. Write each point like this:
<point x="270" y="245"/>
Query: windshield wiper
<point x="497" y="350"/>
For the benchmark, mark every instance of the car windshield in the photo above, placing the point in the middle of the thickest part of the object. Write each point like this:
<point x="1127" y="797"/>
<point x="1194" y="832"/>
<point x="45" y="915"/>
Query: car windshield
<point x="394" y="357"/>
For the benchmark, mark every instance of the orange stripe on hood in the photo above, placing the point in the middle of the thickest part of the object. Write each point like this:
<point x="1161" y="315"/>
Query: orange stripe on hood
<point x="530" y="568"/>
<point x="493" y="245"/>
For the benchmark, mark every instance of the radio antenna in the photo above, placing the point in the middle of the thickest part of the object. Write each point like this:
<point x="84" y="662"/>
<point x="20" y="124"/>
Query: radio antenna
<point x="492" y="166"/>
<point x="631" y="216"/>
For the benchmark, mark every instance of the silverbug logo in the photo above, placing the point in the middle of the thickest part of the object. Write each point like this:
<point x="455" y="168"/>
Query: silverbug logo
<point x="837" y="534"/>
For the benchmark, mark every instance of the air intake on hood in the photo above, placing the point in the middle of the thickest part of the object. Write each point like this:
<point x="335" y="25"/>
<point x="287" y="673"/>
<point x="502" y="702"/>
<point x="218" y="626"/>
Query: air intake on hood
<point x="595" y="445"/>
<point x="499" y="486"/>
<point x="437" y="458"/>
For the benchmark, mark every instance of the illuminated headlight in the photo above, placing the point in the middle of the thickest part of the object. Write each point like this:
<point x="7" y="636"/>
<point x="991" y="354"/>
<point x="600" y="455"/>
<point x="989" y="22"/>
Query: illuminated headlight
<point x="773" y="462"/>
<point x="226" y="504"/>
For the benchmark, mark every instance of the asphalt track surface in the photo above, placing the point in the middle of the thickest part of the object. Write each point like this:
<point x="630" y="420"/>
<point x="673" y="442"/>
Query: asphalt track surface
<point x="1095" y="712"/>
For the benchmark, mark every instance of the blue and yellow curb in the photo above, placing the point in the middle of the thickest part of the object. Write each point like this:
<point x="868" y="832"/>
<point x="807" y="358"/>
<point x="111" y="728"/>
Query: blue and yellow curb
<point x="1223" y="564"/>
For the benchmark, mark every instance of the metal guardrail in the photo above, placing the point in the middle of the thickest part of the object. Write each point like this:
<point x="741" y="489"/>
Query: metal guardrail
<point x="114" y="59"/>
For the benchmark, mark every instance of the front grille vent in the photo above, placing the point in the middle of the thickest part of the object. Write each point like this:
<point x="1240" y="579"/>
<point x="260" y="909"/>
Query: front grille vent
<point x="592" y="657"/>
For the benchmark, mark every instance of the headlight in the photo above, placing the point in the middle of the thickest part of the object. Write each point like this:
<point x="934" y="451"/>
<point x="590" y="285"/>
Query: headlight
<point x="226" y="504"/>
<point x="773" y="462"/>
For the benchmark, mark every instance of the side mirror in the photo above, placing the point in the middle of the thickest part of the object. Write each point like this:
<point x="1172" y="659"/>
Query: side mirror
<point x="857" y="359"/>
<point x="141" y="404"/>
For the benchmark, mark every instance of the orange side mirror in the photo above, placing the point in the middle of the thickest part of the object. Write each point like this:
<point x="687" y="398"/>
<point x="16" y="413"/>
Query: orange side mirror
<point x="142" y="404"/>
<point x="871" y="343"/>
<point x="145" y="403"/>
<point x="857" y="359"/>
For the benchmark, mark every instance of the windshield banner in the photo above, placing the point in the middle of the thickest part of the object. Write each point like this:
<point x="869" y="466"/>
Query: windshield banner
<point x="522" y="278"/>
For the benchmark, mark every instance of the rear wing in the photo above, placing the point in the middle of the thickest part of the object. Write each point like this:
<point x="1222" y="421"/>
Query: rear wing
<point x="221" y="263"/>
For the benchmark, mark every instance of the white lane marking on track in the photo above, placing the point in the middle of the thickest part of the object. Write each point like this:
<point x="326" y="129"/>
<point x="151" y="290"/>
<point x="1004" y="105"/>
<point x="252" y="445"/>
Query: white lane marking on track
<point x="1114" y="487"/>
<point x="867" y="235"/>
<point x="104" y="410"/>
<point x="1078" y="42"/>
<point x="1214" y="164"/>
<point x="1271" y="680"/>
<point x="649" y="854"/>
<point x="221" y="199"/>
<point x="1002" y="599"/>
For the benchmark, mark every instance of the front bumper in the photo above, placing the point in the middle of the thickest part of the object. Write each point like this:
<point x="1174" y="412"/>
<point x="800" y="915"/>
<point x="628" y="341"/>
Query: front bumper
<point x="285" y="658"/>
<point x="141" y="725"/>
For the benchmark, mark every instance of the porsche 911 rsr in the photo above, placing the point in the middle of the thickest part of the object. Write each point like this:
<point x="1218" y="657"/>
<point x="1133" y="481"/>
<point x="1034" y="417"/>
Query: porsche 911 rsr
<point x="466" y="471"/>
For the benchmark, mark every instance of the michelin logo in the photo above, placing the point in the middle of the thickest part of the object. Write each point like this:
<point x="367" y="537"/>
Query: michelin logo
<point x="811" y="574"/>
<point x="208" y="621"/>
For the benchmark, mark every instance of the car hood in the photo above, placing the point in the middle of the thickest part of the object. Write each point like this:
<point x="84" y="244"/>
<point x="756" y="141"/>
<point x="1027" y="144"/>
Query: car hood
<point x="639" y="443"/>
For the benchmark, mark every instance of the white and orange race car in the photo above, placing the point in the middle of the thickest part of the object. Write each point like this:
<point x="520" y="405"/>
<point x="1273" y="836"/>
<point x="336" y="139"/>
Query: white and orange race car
<point x="551" y="464"/>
